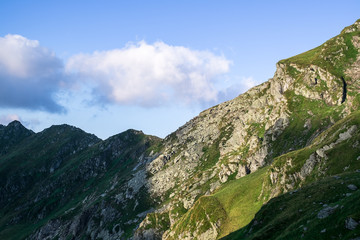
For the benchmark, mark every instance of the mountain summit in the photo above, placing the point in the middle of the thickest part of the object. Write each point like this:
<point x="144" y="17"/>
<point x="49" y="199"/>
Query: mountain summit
<point x="280" y="161"/>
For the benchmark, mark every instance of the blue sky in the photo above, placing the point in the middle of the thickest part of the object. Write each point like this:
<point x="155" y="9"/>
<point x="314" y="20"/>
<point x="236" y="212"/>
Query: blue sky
<point x="106" y="66"/>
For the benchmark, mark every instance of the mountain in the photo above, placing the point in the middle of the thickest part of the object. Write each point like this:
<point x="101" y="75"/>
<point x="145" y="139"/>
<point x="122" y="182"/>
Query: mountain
<point x="61" y="172"/>
<point x="282" y="117"/>
<point x="280" y="161"/>
<point x="11" y="135"/>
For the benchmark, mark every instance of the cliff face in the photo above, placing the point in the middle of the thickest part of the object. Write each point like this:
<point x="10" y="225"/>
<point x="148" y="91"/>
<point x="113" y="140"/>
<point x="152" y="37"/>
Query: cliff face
<point x="205" y="180"/>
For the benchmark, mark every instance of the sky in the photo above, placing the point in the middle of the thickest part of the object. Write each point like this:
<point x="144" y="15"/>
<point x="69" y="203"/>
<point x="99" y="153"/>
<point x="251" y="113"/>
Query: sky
<point x="108" y="66"/>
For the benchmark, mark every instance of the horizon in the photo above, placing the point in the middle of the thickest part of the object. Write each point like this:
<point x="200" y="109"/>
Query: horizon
<point x="80" y="129"/>
<point x="107" y="68"/>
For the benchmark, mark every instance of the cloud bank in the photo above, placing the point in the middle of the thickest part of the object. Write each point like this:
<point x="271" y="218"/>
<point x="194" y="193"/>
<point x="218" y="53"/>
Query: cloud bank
<point x="141" y="74"/>
<point x="5" y="119"/>
<point x="30" y="75"/>
<point x="150" y="74"/>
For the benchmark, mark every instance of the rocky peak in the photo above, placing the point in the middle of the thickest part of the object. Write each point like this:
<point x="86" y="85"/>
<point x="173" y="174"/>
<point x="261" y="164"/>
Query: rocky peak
<point x="125" y="138"/>
<point x="131" y="132"/>
<point x="12" y="134"/>
<point x="352" y="28"/>
<point x="16" y="126"/>
<point x="62" y="128"/>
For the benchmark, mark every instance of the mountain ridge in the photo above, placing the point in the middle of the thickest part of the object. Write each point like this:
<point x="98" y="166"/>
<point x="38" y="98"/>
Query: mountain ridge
<point x="210" y="177"/>
<point x="296" y="110"/>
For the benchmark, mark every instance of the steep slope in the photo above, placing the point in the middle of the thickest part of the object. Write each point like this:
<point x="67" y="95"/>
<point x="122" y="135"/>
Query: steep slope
<point x="326" y="209"/>
<point x="11" y="135"/>
<point x="109" y="197"/>
<point x="335" y="151"/>
<point x="59" y="178"/>
<point x="208" y="178"/>
<point x="38" y="156"/>
<point x="306" y="96"/>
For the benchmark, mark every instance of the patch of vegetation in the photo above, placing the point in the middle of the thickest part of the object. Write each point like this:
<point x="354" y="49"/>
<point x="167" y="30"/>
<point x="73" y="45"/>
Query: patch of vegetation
<point x="205" y="212"/>
<point x="339" y="159"/>
<point x="159" y="221"/>
<point x="232" y="206"/>
<point x="212" y="153"/>
<point x="241" y="199"/>
<point x="86" y="170"/>
<point x="272" y="221"/>
<point x="298" y="133"/>
<point x="334" y="55"/>
<point x="258" y="128"/>
<point x="293" y="72"/>
<point x="294" y="215"/>
<point x="178" y="209"/>
<point x="155" y="148"/>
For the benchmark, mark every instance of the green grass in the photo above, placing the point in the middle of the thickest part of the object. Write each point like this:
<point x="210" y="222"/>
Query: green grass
<point x="327" y="56"/>
<point x="68" y="186"/>
<point x="296" y="136"/>
<point x="233" y="206"/>
<point x="339" y="159"/>
<point x="241" y="199"/>
<point x="206" y="211"/>
<point x="294" y="215"/>
<point x="211" y="153"/>
<point x="159" y="220"/>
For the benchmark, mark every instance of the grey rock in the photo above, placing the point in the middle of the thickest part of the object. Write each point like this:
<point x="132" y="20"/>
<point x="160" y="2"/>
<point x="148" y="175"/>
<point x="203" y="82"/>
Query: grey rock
<point x="350" y="223"/>
<point x="352" y="187"/>
<point x="327" y="211"/>
<point x="346" y="135"/>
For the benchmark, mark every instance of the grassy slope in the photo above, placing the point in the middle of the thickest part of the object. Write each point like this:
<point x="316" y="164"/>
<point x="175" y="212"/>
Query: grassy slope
<point x="238" y="200"/>
<point x="328" y="54"/>
<point x="241" y="199"/>
<point x="294" y="215"/>
<point x="334" y="56"/>
<point x="70" y="188"/>
<point x="240" y="208"/>
<point x="234" y="205"/>
<point x="340" y="159"/>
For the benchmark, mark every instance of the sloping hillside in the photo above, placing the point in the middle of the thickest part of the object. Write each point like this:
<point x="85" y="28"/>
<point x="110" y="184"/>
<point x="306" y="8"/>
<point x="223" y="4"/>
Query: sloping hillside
<point x="308" y="94"/>
<point x="66" y="174"/>
<point x="259" y="155"/>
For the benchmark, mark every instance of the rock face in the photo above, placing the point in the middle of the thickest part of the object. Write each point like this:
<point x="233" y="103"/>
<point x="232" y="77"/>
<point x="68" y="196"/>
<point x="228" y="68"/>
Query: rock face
<point x="64" y="183"/>
<point x="240" y="136"/>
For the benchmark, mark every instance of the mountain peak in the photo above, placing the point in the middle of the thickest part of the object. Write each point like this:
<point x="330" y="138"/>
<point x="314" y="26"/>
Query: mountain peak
<point x="12" y="134"/>
<point x="61" y="129"/>
<point x="15" y="124"/>
<point x="352" y="28"/>
<point x="16" y="127"/>
<point x="134" y="131"/>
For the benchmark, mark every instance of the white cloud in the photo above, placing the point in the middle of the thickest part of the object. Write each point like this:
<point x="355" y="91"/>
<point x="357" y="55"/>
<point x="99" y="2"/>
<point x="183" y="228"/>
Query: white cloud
<point x="30" y="74"/>
<point x="248" y="82"/>
<point x="235" y="87"/>
<point x="150" y="74"/>
<point x="5" y="119"/>
<point x="32" y="77"/>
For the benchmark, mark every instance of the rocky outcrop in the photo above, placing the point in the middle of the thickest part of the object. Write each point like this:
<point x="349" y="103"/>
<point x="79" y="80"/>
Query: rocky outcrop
<point x="240" y="136"/>
<point x="284" y="179"/>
